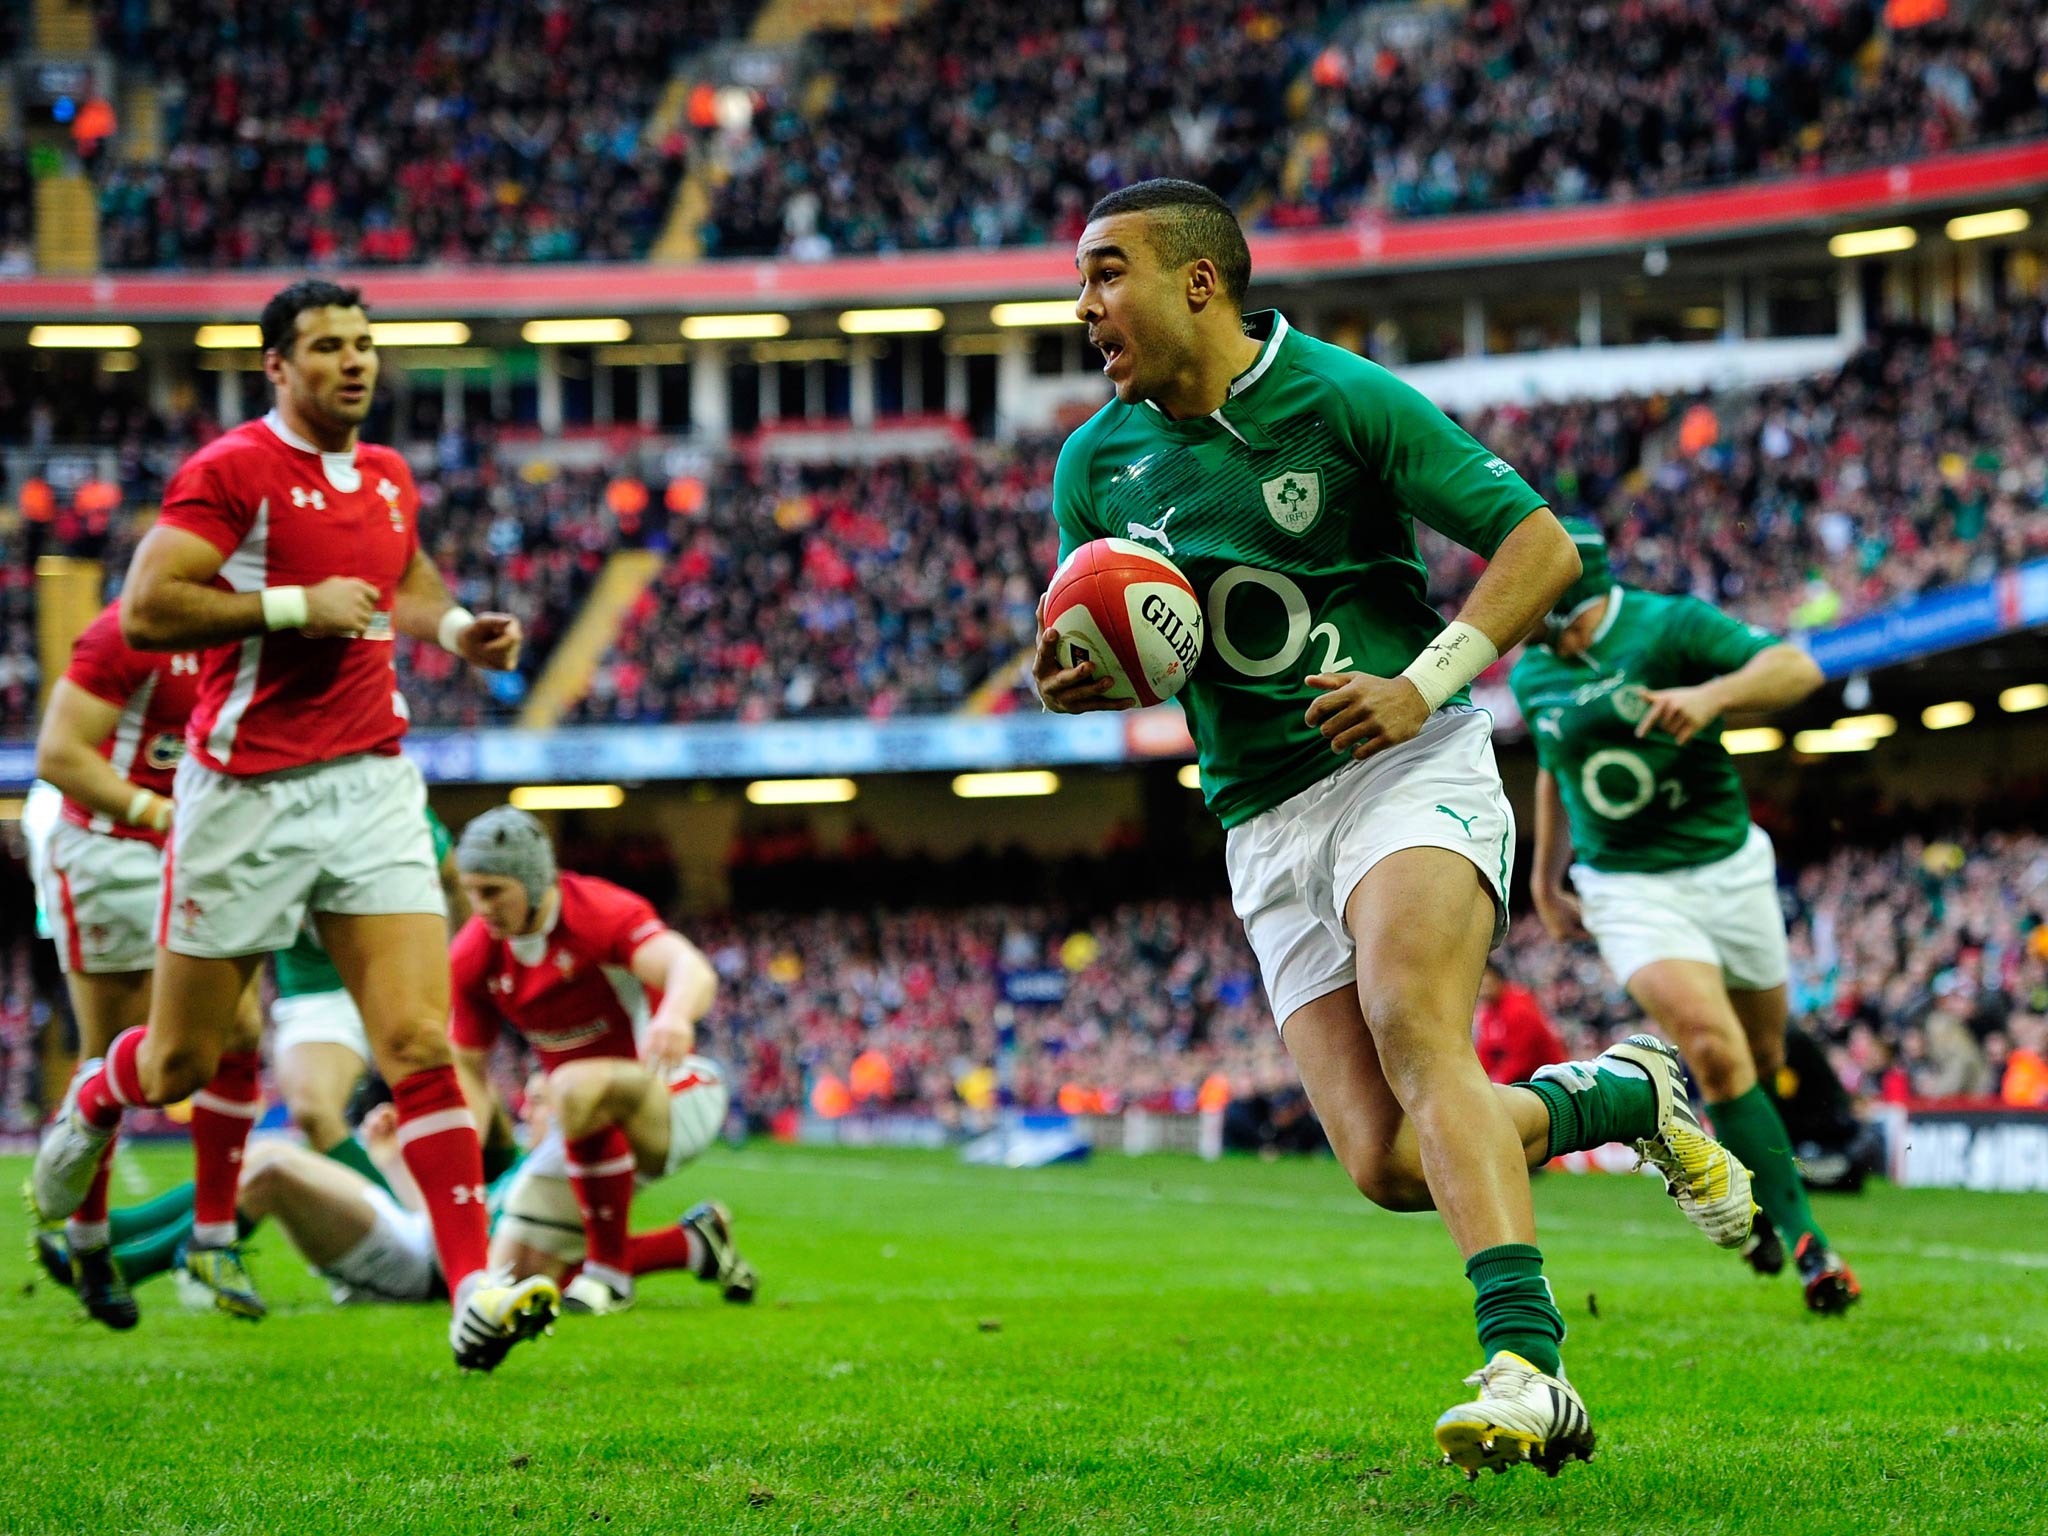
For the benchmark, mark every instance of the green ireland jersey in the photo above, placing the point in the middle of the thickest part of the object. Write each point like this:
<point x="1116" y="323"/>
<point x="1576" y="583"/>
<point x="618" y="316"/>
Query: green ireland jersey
<point x="1646" y="805"/>
<point x="1291" y="510"/>
<point x="304" y="969"/>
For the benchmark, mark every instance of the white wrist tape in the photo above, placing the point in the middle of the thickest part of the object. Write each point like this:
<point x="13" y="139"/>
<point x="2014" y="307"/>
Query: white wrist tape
<point x="453" y="623"/>
<point x="1449" y="662"/>
<point x="284" y="607"/>
<point x="137" y="813"/>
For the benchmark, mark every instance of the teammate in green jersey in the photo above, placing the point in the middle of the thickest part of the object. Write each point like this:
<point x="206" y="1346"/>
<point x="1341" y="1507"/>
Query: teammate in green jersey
<point x="1369" y="842"/>
<point x="1676" y="885"/>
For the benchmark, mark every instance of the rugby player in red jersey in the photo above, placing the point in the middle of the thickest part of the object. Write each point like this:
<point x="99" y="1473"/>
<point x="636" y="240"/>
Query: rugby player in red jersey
<point x="111" y="737"/>
<point x="289" y="551"/>
<point x="608" y="996"/>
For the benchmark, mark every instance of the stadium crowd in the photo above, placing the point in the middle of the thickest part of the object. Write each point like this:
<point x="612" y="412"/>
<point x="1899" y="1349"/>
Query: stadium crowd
<point x="874" y="589"/>
<point x="321" y="133"/>
<point x="1517" y="103"/>
<point x="1920" y="967"/>
<point x="974" y="124"/>
<point x="953" y="130"/>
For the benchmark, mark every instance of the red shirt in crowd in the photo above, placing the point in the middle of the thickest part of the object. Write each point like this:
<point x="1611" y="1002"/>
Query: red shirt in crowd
<point x="283" y="513"/>
<point x="1512" y="1035"/>
<point x="569" y="990"/>
<point x="155" y="692"/>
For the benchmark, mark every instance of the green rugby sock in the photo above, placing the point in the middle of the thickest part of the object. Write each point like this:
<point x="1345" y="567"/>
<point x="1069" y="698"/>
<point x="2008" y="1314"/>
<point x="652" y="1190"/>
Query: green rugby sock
<point x="1594" y="1102"/>
<point x="1750" y="1128"/>
<point x="153" y="1252"/>
<point x="140" y="1220"/>
<point x="1514" y="1308"/>
<point x="350" y="1154"/>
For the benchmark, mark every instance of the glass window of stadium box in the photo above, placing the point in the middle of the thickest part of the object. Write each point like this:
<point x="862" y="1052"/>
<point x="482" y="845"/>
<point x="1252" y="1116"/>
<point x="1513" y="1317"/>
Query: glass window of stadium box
<point x="1651" y="309"/>
<point x="1538" y="322"/>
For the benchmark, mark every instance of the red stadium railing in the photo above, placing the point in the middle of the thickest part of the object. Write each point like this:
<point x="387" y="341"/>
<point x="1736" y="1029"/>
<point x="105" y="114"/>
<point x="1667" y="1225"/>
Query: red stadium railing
<point x="1817" y="201"/>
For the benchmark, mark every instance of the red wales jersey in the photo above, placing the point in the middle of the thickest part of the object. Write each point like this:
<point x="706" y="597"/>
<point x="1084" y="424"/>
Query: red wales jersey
<point x="567" y="991"/>
<point x="155" y="692"/>
<point x="285" y="514"/>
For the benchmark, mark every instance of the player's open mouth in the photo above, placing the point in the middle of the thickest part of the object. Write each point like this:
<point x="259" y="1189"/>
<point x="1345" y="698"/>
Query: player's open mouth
<point x="353" y="391"/>
<point x="1111" y="351"/>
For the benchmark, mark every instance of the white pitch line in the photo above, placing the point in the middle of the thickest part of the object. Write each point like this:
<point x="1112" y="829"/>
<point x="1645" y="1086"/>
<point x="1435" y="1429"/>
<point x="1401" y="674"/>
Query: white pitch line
<point x="1334" y="1206"/>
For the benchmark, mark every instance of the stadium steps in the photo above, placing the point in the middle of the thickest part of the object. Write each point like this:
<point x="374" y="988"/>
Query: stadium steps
<point x="142" y="126"/>
<point x="782" y="22"/>
<point x="991" y="690"/>
<point x="682" y="237"/>
<point x="63" y="27"/>
<point x="566" y="678"/>
<point x="67" y="225"/>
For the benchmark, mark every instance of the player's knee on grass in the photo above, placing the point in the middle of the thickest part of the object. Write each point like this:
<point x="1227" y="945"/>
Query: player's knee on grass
<point x="266" y="1173"/>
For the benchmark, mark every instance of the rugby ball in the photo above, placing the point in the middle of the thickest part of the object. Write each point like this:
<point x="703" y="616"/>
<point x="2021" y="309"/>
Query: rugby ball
<point x="1129" y="610"/>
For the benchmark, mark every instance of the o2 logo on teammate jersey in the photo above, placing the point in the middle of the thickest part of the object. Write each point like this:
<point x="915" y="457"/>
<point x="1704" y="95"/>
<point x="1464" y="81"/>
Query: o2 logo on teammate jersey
<point x="164" y="752"/>
<point x="1294" y="499"/>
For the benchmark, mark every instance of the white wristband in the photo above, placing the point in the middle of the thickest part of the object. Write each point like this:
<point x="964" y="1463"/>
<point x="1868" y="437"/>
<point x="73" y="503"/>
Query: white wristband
<point x="284" y="607"/>
<point x="1449" y="662"/>
<point x="148" y="809"/>
<point x="453" y="623"/>
<point x="138" y="808"/>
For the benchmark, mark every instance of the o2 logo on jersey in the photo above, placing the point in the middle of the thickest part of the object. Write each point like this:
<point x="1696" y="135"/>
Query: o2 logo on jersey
<point x="164" y="751"/>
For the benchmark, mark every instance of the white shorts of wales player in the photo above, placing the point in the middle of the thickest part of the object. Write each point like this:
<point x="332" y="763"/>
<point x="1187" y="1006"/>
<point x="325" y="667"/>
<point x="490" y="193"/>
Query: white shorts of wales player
<point x="251" y="856"/>
<point x="318" y="1018"/>
<point x="100" y="895"/>
<point x="1723" y="914"/>
<point x="1293" y="868"/>
<point x="394" y="1262"/>
<point x="540" y="1207"/>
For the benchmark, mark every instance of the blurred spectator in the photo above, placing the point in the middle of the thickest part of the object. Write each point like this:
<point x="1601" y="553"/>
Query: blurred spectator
<point x="1510" y="1031"/>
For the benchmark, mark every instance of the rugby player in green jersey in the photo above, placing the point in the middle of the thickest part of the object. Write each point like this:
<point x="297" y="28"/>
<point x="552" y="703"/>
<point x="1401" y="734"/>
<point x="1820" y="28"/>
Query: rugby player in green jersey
<point x="1369" y="842"/>
<point x="1674" y="882"/>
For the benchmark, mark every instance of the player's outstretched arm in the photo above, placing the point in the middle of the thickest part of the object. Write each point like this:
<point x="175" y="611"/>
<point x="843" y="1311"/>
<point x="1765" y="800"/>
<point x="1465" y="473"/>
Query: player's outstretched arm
<point x="1776" y="678"/>
<point x="75" y="726"/>
<point x="423" y="609"/>
<point x="687" y="983"/>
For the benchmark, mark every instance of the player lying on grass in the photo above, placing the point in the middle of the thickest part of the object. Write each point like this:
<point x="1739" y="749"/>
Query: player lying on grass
<point x="111" y="738"/>
<point x="364" y="1231"/>
<point x="288" y="555"/>
<point x="608" y="996"/>
<point x="1369" y="841"/>
<point x="1625" y="698"/>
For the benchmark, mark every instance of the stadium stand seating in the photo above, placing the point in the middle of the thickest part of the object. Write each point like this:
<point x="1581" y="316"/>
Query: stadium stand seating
<point x="321" y="133"/>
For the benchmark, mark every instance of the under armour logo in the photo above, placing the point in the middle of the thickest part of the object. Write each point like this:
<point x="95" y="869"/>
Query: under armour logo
<point x="185" y="664"/>
<point x="469" y="1194"/>
<point x="301" y="497"/>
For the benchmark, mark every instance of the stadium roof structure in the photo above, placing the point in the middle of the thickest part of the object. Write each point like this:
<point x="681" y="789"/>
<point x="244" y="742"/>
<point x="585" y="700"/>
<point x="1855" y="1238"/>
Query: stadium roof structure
<point x="1821" y="203"/>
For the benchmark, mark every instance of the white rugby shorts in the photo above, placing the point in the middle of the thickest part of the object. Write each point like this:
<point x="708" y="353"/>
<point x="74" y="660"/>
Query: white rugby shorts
<point x="540" y="1207"/>
<point x="100" y="894"/>
<point x="395" y="1262"/>
<point x="1293" y="868"/>
<point x="251" y="856"/>
<point x="1723" y="914"/>
<point x="318" y="1018"/>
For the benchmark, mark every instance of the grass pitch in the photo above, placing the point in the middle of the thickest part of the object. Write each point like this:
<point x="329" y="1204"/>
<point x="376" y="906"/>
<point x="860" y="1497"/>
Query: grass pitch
<point x="1134" y="1345"/>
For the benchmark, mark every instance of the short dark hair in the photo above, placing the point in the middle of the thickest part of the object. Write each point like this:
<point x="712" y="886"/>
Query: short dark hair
<point x="280" y="323"/>
<point x="1190" y="222"/>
